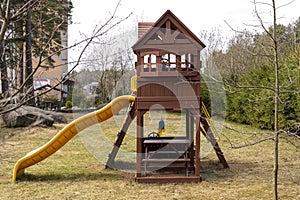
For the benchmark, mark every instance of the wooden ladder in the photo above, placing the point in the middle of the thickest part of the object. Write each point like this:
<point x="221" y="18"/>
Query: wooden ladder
<point x="208" y="131"/>
<point x="166" y="154"/>
<point x="121" y="135"/>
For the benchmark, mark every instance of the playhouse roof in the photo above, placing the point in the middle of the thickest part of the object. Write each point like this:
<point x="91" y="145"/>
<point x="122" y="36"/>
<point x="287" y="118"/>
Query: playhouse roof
<point x="176" y="32"/>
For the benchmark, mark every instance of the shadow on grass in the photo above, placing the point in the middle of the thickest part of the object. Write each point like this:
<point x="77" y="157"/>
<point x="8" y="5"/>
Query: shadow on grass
<point x="105" y="175"/>
<point x="209" y="171"/>
<point x="124" y="166"/>
<point x="212" y="170"/>
<point x="215" y="170"/>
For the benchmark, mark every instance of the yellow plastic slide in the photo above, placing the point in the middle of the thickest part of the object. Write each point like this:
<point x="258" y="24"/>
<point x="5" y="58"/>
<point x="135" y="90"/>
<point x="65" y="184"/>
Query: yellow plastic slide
<point x="68" y="132"/>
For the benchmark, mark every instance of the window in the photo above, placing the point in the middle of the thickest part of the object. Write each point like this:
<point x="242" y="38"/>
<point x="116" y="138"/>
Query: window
<point x="187" y="61"/>
<point x="149" y="63"/>
<point x="169" y="62"/>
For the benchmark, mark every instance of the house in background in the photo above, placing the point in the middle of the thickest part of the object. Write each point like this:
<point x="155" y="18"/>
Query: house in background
<point x="90" y="89"/>
<point x="51" y="77"/>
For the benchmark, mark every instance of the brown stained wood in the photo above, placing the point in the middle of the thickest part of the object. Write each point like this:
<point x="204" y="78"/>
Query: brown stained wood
<point x="147" y="90"/>
<point x="191" y="136"/>
<point x="179" y="49"/>
<point x="139" y="145"/>
<point x="175" y="88"/>
<point x="197" y="147"/>
<point x="211" y="138"/>
<point x="169" y="106"/>
<point x="130" y="116"/>
<point x="168" y="88"/>
<point x="169" y="179"/>
<point x="168" y="42"/>
<point x="172" y="21"/>
<point x="143" y="27"/>
<point x="187" y="124"/>
<point x="166" y="160"/>
<point x="191" y="77"/>
<point x="179" y="100"/>
<point x="162" y="140"/>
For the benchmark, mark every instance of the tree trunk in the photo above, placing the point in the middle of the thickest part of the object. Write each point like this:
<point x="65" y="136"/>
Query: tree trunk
<point x="20" y="72"/>
<point x="3" y="72"/>
<point x="28" y="58"/>
<point x="276" y="133"/>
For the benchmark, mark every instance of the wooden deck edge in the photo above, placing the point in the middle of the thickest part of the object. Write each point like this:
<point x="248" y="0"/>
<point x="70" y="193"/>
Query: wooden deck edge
<point x="169" y="179"/>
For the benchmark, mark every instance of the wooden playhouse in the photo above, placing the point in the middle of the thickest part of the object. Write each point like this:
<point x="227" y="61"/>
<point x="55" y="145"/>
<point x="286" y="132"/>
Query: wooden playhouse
<point x="168" y="74"/>
<point x="168" y="78"/>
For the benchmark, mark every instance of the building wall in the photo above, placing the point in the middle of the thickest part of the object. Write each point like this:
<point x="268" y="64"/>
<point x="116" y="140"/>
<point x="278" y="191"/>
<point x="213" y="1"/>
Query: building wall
<point x="54" y="75"/>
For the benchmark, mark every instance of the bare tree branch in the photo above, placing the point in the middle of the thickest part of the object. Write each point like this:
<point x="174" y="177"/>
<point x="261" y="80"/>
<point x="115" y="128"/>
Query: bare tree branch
<point x="98" y="32"/>
<point x="253" y="143"/>
<point x="260" y="19"/>
<point x="262" y="3"/>
<point x="284" y="5"/>
<point x="247" y="132"/>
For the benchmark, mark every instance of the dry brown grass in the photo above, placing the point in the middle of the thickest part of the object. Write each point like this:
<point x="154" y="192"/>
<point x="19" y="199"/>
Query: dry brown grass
<point x="73" y="173"/>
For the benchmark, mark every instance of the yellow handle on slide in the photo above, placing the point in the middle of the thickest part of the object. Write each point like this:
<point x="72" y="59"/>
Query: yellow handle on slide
<point x="133" y="84"/>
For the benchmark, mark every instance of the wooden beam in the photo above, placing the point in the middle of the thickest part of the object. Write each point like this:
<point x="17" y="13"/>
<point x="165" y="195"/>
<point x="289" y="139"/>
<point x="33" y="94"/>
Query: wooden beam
<point x="207" y="132"/>
<point x="139" y="145"/>
<point x="175" y="34"/>
<point x="197" y="147"/>
<point x="160" y="34"/>
<point x="121" y="135"/>
<point x="168" y="29"/>
<point x="169" y="179"/>
<point x="187" y="122"/>
<point x="191" y="126"/>
<point x="169" y="41"/>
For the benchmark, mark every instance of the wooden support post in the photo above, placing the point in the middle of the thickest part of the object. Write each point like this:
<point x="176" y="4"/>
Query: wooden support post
<point x="197" y="150"/>
<point x="139" y="144"/>
<point x="192" y="150"/>
<point x="138" y="64"/>
<point x="121" y="135"/>
<point x="178" y="63"/>
<point x="187" y="122"/>
<point x="207" y="132"/>
<point x="168" y="30"/>
<point x="196" y="60"/>
<point x="169" y="62"/>
<point x="158" y="63"/>
<point x="192" y="121"/>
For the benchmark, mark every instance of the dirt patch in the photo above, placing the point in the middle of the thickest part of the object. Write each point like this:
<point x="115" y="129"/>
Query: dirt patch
<point x="235" y="166"/>
<point x="96" y="167"/>
<point x="129" y="175"/>
<point x="4" y="179"/>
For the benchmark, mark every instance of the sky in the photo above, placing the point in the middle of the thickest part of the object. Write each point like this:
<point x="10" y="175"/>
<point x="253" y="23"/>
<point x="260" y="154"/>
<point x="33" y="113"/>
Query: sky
<point x="196" y="14"/>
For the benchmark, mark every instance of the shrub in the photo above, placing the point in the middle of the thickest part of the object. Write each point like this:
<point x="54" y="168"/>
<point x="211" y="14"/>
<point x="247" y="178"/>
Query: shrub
<point x="69" y="104"/>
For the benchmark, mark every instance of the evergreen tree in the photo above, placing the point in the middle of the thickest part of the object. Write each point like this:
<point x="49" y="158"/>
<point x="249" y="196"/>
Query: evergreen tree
<point x="33" y="29"/>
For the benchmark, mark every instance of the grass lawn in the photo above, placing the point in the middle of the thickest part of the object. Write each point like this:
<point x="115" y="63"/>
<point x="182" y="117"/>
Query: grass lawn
<point x="77" y="171"/>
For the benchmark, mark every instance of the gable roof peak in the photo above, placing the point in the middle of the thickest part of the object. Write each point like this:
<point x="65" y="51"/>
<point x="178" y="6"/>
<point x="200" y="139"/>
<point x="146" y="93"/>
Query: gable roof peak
<point x="167" y="16"/>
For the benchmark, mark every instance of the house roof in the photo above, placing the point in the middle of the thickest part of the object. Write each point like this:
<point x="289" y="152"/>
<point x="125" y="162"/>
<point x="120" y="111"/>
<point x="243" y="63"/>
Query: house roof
<point x="48" y="86"/>
<point x="143" y="27"/>
<point x="176" y="25"/>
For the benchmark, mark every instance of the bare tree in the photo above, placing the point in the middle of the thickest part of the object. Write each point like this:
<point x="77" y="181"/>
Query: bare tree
<point x="276" y="88"/>
<point x="6" y="18"/>
<point x="110" y="58"/>
<point x="276" y="92"/>
<point x="18" y="36"/>
<point x="246" y="55"/>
